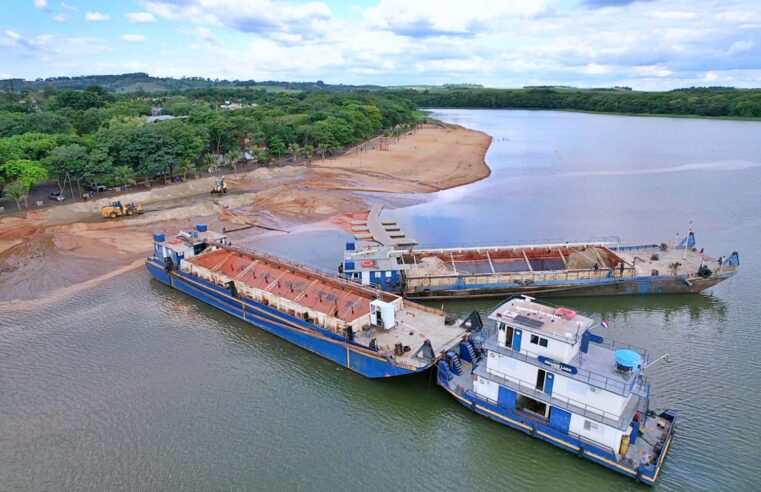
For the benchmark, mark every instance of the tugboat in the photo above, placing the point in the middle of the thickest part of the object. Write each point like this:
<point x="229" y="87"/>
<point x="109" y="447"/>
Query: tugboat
<point x="539" y="369"/>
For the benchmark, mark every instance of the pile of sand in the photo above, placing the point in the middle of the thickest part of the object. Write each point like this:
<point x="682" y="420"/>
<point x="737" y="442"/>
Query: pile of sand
<point x="432" y="156"/>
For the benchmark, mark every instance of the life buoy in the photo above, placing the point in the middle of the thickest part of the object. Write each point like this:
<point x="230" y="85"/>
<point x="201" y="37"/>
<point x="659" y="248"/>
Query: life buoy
<point x="367" y="263"/>
<point x="565" y="313"/>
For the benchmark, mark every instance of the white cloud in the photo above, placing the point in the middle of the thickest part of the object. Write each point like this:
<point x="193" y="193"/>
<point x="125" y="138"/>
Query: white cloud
<point x="59" y="17"/>
<point x="205" y="33"/>
<point x="652" y="71"/>
<point x="140" y="17"/>
<point x="96" y="17"/>
<point x="254" y="16"/>
<point x="134" y="38"/>
<point x="40" y="4"/>
<point x="423" y="18"/>
<point x="674" y="14"/>
<point x="12" y="34"/>
<point x="596" y="69"/>
<point x="68" y="7"/>
<point x="506" y="43"/>
<point x="711" y="76"/>
<point x="741" y="46"/>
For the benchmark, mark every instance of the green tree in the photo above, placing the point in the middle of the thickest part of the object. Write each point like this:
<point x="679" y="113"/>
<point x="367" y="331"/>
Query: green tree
<point x="92" y="97"/>
<point x="72" y="160"/>
<point x="309" y="151"/>
<point x="293" y="151"/>
<point x="221" y="133"/>
<point x="233" y="158"/>
<point x="211" y="161"/>
<point x="34" y="146"/>
<point x="12" y="123"/>
<point x="177" y="141"/>
<point x="261" y="155"/>
<point x="185" y="166"/>
<point x="124" y="175"/>
<point x="277" y="146"/>
<point x="16" y="192"/>
<point x="322" y="149"/>
<point x="25" y="172"/>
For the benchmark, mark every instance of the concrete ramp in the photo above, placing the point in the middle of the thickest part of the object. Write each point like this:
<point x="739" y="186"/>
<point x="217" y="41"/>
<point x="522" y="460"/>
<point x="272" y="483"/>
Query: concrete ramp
<point x="382" y="232"/>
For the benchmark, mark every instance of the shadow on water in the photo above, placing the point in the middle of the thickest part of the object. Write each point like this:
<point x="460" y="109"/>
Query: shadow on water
<point x="695" y="306"/>
<point x="279" y="358"/>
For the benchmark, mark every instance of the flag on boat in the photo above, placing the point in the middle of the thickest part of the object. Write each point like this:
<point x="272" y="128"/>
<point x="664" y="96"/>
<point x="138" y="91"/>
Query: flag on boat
<point x="604" y="324"/>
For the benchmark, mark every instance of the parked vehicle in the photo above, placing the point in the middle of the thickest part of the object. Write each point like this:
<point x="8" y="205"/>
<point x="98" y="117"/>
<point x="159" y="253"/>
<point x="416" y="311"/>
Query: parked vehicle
<point x="57" y="196"/>
<point x="219" y="186"/>
<point x="118" y="209"/>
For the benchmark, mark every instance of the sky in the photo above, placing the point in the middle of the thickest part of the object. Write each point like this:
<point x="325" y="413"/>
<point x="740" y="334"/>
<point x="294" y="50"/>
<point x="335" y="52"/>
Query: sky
<point x="646" y="44"/>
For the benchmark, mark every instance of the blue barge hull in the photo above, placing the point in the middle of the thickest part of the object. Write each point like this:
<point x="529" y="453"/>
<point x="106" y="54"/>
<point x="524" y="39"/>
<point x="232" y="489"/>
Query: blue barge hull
<point x="645" y="473"/>
<point x="297" y="331"/>
<point x="645" y="285"/>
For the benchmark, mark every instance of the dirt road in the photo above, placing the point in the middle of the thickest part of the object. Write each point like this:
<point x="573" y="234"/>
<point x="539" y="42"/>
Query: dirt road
<point x="62" y="246"/>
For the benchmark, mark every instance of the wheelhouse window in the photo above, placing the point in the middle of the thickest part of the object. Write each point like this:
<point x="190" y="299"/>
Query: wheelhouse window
<point x="537" y="340"/>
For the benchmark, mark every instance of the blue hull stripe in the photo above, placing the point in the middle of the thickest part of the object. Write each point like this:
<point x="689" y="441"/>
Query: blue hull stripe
<point x="570" y="284"/>
<point x="295" y="330"/>
<point x="606" y="458"/>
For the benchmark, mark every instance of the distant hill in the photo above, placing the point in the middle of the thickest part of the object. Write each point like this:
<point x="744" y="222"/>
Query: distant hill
<point x="139" y="81"/>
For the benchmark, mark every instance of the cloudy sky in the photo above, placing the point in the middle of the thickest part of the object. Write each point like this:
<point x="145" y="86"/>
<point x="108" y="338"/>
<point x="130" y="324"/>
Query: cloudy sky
<point x="647" y="44"/>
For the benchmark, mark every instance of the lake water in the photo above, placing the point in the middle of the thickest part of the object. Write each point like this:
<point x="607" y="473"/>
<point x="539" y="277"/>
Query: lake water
<point x="131" y="385"/>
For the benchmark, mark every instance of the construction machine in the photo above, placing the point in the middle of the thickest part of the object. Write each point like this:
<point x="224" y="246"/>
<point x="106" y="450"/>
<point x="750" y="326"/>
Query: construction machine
<point x="219" y="186"/>
<point x="117" y="209"/>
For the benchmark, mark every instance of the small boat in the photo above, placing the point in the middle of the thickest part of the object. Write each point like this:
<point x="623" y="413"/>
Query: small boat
<point x="539" y="369"/>
<point x="374" y="333"/>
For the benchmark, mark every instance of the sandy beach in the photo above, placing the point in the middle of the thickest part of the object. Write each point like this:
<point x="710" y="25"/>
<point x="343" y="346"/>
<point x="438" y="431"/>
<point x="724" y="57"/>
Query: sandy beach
<point x="57" y="248"/>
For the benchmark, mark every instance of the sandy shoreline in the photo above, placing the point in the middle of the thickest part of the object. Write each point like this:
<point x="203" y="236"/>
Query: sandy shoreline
<point x="54" y="249"/>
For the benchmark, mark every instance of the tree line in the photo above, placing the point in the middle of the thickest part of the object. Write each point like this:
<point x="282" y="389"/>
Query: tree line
<point x="94" y="136"/>
<point x="710" y="101"/>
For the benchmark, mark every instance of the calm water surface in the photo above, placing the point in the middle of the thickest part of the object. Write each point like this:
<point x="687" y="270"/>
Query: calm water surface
<point x="134" y="386"/>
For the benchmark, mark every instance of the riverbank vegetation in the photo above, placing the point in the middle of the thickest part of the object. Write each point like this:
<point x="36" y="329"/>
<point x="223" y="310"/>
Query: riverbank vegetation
<point x="703" y="102"/>
<point x="125" y="134"/>
<point x="94" y="136"/>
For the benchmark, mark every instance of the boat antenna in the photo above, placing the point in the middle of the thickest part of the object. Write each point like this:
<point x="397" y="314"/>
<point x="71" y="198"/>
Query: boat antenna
<point x="664" y="357"/>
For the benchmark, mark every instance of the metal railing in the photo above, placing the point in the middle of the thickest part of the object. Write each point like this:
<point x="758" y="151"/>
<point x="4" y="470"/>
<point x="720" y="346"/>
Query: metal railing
<point x="636" y="247"/>
<point x="536" y="419"/>
<point x="622" y="388"/>
<point x="557" y="400"/>
<point x="525" y="277"/>
<point x="524" y="243"/>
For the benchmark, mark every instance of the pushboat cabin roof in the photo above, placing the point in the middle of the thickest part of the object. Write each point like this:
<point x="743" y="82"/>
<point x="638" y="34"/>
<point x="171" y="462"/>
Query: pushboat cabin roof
<point x="557" y="322"/>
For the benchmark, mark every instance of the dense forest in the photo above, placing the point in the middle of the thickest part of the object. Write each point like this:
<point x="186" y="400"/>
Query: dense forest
<point x="714" y="102"/>
<point x="109" y="134"/>
<point x="142" y="82"/>
<point x="94" y="136"/>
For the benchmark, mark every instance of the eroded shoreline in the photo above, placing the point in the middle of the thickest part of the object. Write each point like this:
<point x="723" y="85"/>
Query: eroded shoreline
<point x="54" y="249"/>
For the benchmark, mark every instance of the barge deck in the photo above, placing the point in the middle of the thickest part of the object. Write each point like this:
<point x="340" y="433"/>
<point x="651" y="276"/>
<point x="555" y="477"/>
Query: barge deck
<point x="563" y="268"/>
<point x="375" y="333"/>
